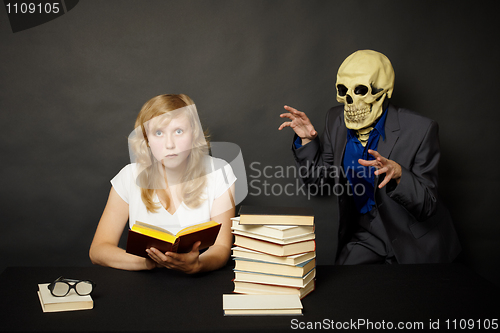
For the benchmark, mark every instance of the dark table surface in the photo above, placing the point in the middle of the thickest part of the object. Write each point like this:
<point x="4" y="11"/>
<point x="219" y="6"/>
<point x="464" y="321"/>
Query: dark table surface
<point x="349" y="297"/>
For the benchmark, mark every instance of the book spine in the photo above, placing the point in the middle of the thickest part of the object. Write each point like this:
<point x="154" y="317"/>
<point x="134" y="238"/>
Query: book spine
<point x="175" y="246"/>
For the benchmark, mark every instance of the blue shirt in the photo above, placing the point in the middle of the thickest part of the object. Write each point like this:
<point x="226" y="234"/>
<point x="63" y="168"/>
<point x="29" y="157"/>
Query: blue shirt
<point x="361" y="178"/>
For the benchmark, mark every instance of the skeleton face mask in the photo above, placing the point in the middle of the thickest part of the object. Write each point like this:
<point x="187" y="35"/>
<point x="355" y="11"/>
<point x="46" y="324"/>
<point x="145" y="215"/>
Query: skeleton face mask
<point x="364" y="80"/>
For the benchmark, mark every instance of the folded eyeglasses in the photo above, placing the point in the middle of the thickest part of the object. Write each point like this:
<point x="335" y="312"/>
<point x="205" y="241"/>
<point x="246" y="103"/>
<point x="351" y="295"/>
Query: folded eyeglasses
<point x="61" y="287"/>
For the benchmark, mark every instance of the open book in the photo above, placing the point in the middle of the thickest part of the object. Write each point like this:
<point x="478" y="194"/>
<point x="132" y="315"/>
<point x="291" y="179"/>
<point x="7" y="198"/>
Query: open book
<point x="143" y="236"/>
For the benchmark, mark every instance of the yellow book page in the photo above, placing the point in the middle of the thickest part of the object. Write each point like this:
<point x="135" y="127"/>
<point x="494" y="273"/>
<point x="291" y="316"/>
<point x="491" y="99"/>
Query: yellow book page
<point x="154" y="233"/>
<point x="196" y="227"/>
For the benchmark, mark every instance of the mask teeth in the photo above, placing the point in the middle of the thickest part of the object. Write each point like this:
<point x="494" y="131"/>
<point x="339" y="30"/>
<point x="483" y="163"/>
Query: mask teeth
<point x="355" y="114"/>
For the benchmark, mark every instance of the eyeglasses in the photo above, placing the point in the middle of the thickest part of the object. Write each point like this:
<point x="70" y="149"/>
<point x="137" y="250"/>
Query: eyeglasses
<point x="61" y="287"/>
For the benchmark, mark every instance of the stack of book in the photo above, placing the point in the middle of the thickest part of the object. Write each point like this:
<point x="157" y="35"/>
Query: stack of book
<point x="274" y="251"/>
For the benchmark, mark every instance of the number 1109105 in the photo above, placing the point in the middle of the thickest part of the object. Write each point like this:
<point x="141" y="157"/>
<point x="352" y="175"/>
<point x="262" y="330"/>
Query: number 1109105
<point x="33" y="8"/>
<point x="462" y="324"/>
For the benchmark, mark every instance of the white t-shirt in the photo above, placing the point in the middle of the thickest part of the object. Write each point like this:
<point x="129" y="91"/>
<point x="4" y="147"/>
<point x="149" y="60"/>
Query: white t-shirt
<point x="218" y="182"/>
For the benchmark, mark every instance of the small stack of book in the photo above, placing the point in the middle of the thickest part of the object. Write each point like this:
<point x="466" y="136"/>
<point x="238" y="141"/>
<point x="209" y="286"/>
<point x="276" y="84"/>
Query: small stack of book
<point x="70" y="302"/>
<point x="274" y="251"/>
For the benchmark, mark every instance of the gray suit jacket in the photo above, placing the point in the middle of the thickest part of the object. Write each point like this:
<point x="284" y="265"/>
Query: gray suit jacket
<point x="417" y="223"/>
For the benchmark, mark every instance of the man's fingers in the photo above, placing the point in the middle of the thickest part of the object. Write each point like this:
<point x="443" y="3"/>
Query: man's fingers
<point x="374" y="153"/>
<point x="389" y="174"/>
<point x="287" y="115"/>
<point x="290" y="109"/>
<point x="381" y="171"/>
<point x="367" y="163"/>
<point x="294" y="111"/>
<point x="385" y="181"/>
<point x="382" y="160"/>
<point x="285" y="124"/>
<point x="383" y="165"/>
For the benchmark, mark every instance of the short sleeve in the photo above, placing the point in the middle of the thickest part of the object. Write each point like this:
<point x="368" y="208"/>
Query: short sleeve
<point x="122" y="182"/>
<point x="224" y="177"/>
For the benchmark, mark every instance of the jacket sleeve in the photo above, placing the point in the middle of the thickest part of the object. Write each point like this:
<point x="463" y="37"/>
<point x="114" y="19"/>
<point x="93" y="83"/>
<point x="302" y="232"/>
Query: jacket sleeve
<point x="315" y="159"/>
<point x="417" y="189"/>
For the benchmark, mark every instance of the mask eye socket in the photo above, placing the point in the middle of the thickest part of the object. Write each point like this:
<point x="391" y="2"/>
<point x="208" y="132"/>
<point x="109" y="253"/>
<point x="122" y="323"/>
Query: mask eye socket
<point x="361" y="90"/>
<point x="342" y="90"/>
<point x="375" y="90"/>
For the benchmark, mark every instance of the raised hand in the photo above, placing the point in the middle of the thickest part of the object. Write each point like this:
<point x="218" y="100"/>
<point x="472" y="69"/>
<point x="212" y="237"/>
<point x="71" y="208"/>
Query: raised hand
<point x="299" y="123"/>
<point x="391" y="169"/>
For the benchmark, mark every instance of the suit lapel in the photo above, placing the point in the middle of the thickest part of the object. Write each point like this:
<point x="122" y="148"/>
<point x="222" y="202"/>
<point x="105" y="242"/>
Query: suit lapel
<point x="391" y="133"/>
<point x="340" y="142"/>
<point x="391" y="137"/>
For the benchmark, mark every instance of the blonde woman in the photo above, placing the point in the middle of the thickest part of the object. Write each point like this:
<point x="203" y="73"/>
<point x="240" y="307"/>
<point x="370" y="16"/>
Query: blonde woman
<point x="172" y="183"/>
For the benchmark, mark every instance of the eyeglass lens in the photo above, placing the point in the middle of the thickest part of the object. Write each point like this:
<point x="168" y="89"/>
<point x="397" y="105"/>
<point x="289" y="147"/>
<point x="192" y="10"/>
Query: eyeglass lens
<point x="82" y="288"/>
<point x="60" y="289"/>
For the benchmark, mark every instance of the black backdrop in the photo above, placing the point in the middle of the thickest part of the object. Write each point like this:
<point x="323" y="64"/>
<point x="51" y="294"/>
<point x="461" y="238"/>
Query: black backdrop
<point x="70" y="90"/>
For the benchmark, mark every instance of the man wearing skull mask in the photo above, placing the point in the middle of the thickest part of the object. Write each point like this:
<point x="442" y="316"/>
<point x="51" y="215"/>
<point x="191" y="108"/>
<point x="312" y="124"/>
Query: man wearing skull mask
<point x="397" y="218"/>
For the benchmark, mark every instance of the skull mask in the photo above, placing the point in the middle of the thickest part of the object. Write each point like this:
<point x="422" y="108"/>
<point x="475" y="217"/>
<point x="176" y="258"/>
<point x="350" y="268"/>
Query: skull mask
<point x="363" y="81"/>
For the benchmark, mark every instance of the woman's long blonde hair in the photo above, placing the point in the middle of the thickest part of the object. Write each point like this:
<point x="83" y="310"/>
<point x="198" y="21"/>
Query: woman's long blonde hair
<point x="150" y="178"/>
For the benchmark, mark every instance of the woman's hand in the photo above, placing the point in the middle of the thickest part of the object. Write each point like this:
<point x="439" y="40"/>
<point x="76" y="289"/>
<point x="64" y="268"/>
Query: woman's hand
<point x="188" y="263"/>
<point x="150" y="264"/>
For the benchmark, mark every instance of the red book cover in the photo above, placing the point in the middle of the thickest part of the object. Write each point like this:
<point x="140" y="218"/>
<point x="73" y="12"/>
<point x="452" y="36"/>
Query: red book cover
<point x="137" y="243"/>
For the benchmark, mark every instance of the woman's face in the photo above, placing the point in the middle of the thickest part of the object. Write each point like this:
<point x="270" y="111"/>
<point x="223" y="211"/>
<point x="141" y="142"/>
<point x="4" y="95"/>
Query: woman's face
<point x="171" y="141"/>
